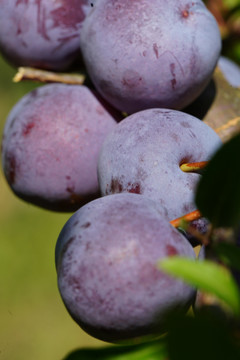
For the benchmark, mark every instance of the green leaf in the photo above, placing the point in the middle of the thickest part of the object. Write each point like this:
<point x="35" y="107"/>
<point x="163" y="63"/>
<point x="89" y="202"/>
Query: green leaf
<point x="229" y="254"/>
<point x="218" y="192"/>
<point x="155" y="351"/>
<point x="207" y="276"/>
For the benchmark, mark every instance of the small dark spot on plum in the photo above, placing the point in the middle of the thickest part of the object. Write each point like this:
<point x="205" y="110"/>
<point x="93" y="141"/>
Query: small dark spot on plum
<point x="187" y="208"/>
<point x="185" y="124"/>
<point x="73" y="282"/>
<point x="185" y="13"/>
<point x="68" y="177"/>
<point x="27" y="128"/>
<point x="86" y="225"/>
<point x="12" y="122"/>
<point x="131" y="79"/>
<point x="21" y="2"/>
<point x="171" y="250"/>
<point x="155" y="49"/>
<point x="70" y="18"/>
<point x="163" y="111"/>
<point x="175" y="137"/>
<point x="70" y="189"/>
<point x="116" y="186"/>
<point x="11" y="168"/>
<point x="172" y="68"/>
<point x="173" y="83"/>
<point x="86" y="130"/>
<point x="67" y="244"/>
<point x="76" y="222"/>
<point x="192" y="134"/>
<point x="134" y="188"/>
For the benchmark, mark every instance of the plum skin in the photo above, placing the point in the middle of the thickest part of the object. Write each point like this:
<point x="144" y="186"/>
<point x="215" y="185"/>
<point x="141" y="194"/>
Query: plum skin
<point x="144" y="152"/>
<point x="43" y="33"/>
<point x="51" y="141"/>
<point x="106" y="258"/>
<point x="230" y="70"/>
<point x="142" y="65"/>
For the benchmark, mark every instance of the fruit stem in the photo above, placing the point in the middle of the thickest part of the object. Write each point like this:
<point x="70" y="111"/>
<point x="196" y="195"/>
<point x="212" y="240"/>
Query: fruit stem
<point x="43" y="76"/>
<point x="194" y="215"/>
<point x="194" y="166"/>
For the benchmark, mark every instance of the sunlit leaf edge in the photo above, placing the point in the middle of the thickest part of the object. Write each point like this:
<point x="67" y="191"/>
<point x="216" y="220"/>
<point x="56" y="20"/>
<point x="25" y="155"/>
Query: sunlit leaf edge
<point x="206" y="276"/>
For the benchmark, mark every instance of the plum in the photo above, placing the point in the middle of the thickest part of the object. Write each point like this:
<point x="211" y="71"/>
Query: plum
<point x="144" y="152"/>
<point x="51" y="143"/>
<point x="106" y="261"/>
<point x="143" y="54"/>
<point x="41" y="33"/>
<point x="230" y="70"/>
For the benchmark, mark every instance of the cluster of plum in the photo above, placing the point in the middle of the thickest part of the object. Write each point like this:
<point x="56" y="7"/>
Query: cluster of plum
<point x="65" y="147"/>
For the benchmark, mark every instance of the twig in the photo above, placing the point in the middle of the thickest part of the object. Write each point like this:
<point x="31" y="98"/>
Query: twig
<point x="27" y="73"/>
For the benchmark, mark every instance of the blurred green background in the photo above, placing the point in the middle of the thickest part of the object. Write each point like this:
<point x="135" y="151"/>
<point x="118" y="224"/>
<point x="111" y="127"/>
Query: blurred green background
<point x="227" y="14"/>
<point x="34" y="322"/>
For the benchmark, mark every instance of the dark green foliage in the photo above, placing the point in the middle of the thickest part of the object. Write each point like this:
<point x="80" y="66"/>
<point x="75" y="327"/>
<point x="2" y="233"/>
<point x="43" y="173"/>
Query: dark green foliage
<point x="218" y="193"/>
<point x="207" y="336"/>
<point x="229" y="254"/>
<point x="154" y="351"/>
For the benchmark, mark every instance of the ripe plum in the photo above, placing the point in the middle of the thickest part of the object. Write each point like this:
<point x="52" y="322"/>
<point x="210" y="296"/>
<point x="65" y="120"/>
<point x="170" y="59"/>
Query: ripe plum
<point x="154" y="54"/>
<point x="41" y="33"/>
<point x="144" y="152"/>
<point x="106" y="258"/>
<point x="51" y="143"/>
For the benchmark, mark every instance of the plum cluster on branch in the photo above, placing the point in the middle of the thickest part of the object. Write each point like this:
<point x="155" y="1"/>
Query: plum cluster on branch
<point x="112" y="149"/>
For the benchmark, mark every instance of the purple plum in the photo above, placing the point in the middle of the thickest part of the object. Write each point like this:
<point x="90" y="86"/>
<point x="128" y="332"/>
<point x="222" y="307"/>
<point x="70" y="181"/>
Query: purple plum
<point x="143" y="54"/>
<point x="41" y="33"/>
<point x="51" y="144"/>
<point x="144" y="152"/>
<point x="106" y="261"/>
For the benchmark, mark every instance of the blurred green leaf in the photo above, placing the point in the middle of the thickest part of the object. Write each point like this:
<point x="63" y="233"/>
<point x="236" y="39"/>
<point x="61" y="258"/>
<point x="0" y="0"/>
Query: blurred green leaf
<point x="230" y="4"/>
<point x="207" y="276"/>
<point x="154" y="351"/>
<point x="207" y="336"/>
<point x="218" y="192"/>
<point x="229" y="254"/>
